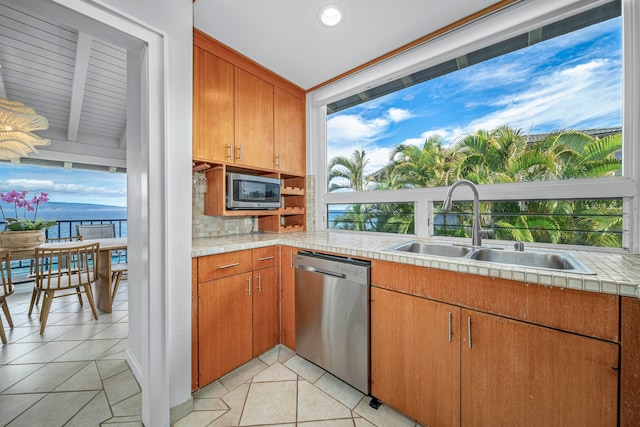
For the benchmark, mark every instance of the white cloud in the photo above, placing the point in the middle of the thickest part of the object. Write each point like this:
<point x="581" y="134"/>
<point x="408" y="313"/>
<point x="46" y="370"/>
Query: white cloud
<point x="353" y="129"/>
<point x="356" y="130"/>
<point x="49" y="186"/>
<point x="568" y="98"/>
<point x="398" y="114"/>
<point x="565" y="98"/>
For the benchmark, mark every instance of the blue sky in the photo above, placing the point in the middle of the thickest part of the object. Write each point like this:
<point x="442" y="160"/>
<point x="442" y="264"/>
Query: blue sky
<point x="70" y="186"/>
<point x="570" y="82"/>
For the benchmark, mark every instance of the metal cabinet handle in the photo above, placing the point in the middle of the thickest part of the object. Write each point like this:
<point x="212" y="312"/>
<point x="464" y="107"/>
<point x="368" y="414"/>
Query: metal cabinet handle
<point x="266" y="258"/>
<point x="231" y="151"/>
<point x="249" y="285"/>
<point x="469" y="330"/>
<point x="449" y="326"/>
<point x="278" y="161"/>
<point x="240" y="152"/>
<point x="259" y="282"/>
<point x="235" y="264"/>
<point x="291" y="258"/>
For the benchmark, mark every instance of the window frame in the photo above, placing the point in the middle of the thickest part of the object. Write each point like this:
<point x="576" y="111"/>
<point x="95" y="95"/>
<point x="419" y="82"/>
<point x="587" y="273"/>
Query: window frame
<point x="493" y="28"/>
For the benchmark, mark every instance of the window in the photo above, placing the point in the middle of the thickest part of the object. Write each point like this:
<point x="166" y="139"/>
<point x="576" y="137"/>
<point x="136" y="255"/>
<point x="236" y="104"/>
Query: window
<point x="535" y="108"/>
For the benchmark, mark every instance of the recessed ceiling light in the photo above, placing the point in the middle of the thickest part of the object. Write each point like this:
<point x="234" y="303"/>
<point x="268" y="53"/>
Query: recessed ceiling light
<point x="330" y="15"/>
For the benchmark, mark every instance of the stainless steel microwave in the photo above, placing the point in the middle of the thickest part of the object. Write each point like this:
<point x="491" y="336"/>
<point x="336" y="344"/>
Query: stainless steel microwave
<point x="252" y="192"/>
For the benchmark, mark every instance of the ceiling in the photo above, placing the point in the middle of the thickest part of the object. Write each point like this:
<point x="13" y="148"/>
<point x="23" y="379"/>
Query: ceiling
<point x="286" y="36"/>
<point x="75" y="80"/>
<point x="74" y="72"/>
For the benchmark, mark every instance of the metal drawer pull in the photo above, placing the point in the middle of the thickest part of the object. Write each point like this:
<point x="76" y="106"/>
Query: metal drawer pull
<point x="249" y="285"/>
<point x="235" y="264"/>
<point x="278" y="162"/>
<point x="449" y="326"/>
<point x="240" y="153"/>
<point x="266" y="258"/>
<point x="259" y="282"/>
<point x="231" y="151"/>
<point x="469" y="330"/>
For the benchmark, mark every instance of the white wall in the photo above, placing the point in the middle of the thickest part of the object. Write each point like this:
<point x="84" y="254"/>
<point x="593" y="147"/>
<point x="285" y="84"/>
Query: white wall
<point x="159" y="195"/>
<point x="175" y="20"/>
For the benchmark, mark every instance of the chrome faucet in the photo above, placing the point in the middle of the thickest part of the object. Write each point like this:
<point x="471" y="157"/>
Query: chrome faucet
<point x="476" y="239"/>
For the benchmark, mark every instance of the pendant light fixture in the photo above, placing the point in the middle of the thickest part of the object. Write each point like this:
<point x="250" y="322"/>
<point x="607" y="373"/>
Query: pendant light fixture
<point x="17" y="122"/>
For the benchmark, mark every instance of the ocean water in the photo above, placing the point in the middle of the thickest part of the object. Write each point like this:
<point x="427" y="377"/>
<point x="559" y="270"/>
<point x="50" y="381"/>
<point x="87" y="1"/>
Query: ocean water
<point x="70" y="214"/>
<point x="67" y="215"/>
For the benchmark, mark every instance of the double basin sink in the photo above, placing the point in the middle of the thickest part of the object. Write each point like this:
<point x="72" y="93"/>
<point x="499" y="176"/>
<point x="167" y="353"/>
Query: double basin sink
<point x="557" y="261"/>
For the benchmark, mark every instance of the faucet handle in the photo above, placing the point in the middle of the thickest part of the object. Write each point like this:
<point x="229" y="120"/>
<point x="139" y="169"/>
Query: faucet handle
<point x="486" y="232"/>
<point x="518" y="246"/>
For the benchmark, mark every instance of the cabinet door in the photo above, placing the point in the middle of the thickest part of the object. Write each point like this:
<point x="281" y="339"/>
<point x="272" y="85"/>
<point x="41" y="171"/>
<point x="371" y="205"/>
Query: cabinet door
<point x="265" y="310"/>
<point x="288" y="297"/>
<point x="253" y="121"/>
<point x="415" y="356"/>
<point x="288" y="133"/>
<point x="213" y="121"/>
<point x="224" y="326"/>
<point x="515" y="373"/>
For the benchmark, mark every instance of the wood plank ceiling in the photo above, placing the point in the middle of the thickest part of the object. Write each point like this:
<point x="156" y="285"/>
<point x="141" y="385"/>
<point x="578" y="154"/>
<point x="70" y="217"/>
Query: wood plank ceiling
<point x="78" y="82"/>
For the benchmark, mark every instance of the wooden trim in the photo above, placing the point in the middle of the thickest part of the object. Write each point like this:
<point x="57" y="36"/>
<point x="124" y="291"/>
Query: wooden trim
<point x="223" y="51"/>
<point x="194" y="324"/>
<point x="457" y="24"/>
<point x="630" y="362"/>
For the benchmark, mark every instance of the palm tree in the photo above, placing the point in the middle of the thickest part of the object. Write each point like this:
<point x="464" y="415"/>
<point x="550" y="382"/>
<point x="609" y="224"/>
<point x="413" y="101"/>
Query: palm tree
<point x="415" y="167"/>
<point x="348" y="173"/>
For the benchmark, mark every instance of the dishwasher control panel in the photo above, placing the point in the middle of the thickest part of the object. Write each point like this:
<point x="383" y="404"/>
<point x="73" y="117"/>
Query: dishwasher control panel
<point x="349" y="269"/>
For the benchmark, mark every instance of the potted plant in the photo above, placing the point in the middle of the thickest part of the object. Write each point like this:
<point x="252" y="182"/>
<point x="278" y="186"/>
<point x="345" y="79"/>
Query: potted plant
<point x="22" y="233"/>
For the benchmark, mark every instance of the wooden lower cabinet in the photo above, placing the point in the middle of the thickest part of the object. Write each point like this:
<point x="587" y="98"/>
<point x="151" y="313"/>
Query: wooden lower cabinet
<point x="492" y="371"/>
<point x="288" y="296"/>
<point x="515" y="373"/>
<point x="265" y="310"/>
<point x="236" y="311"/>
<point x="224" y="326"/>
<point x="415" y="360"/>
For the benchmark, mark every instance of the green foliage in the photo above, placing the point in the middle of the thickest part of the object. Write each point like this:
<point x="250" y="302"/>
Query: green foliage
<point x="502" y="155"/>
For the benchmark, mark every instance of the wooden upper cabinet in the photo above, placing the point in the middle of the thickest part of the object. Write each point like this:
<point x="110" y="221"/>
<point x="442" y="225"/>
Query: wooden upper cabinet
<point x="213" y="103"/>
<point x="253" y="121"/>
<point x="244" y="114"/>
<point x="288" y="133"/>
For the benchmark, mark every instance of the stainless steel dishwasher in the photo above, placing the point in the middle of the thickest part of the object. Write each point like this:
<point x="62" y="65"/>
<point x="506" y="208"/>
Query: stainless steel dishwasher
<point x="332" y="315"/>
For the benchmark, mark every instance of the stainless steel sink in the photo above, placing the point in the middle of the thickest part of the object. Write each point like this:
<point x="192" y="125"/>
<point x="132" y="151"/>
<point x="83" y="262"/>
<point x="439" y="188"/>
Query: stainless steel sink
<point x="556" y="261"/>
<point x="546" y="260"/>
<point x="435" y="249"/>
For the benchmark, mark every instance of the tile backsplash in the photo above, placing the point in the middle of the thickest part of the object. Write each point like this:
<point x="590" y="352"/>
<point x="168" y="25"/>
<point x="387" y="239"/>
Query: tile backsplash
<point x="213" y="226"/>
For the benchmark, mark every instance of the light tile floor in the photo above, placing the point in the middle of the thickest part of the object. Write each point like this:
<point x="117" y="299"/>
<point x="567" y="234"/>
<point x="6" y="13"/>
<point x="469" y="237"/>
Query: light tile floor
<point x="279" y="388"/>
<point x="75" y="375"/>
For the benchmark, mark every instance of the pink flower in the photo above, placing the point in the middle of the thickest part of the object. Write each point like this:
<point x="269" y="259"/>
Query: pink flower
<point x="20" y="201"/>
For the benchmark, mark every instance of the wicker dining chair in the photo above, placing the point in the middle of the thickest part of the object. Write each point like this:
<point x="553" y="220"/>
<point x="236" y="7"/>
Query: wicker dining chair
<point x="7" y="289"/>
<point x="65" y="271"/>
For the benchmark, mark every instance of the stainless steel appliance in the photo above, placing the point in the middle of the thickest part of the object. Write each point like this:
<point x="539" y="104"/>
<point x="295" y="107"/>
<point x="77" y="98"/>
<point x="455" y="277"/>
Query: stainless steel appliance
<point x="332" y="315"/>
<point x="252" y="192"/>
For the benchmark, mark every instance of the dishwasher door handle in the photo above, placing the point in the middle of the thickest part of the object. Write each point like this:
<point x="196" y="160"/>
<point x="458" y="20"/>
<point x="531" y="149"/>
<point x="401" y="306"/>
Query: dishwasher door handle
<point x="319" y="271"/>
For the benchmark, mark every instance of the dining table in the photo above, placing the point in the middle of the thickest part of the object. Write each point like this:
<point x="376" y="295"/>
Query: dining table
<point x="103" y="297"/>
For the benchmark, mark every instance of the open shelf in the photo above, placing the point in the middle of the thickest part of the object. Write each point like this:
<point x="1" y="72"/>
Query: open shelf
<point x="289" y="218"/>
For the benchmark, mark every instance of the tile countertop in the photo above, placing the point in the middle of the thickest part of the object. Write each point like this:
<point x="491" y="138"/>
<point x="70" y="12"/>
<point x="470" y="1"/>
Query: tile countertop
<point x="616" y="273"/>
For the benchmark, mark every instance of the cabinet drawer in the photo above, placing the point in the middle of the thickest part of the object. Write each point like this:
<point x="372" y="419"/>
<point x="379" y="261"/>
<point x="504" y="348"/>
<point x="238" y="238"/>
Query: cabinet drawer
<point x="222" y="265"/>
<point x="265" y="257"/>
